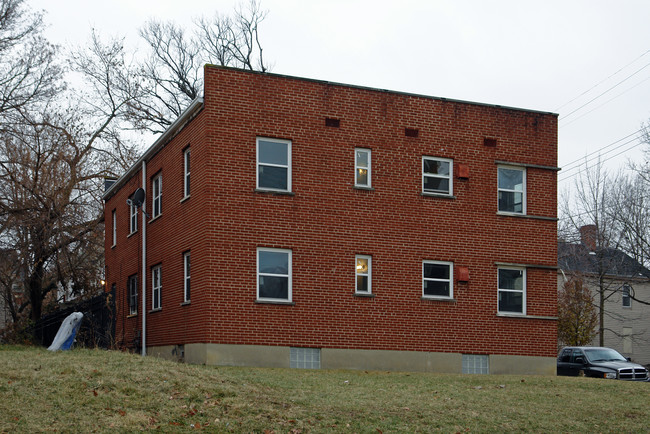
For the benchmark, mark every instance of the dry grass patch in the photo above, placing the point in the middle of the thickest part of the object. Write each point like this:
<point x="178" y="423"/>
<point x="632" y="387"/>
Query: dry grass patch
<point x="95" y="390"/>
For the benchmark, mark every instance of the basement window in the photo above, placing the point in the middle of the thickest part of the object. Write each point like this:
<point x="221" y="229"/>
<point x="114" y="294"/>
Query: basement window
<point x="304" y="358"/>
<point x="476" y="364"/>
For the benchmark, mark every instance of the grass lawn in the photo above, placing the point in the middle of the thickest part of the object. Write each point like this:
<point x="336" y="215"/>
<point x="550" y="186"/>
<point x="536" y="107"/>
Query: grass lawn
<point x="95" y="390"/>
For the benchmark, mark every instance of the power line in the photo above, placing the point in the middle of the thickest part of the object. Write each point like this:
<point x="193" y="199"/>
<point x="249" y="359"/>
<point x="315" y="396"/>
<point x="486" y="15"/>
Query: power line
<point x="606" y="102"/>
<point x="588" y="167"/>
<point x="567" y="167"/>
<point x="603" y="93"/>
<point x="600" y="82"/>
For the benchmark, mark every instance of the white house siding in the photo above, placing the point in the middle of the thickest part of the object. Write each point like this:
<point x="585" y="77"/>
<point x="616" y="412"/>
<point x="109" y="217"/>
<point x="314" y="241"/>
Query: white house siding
<point x="633" y="321"/>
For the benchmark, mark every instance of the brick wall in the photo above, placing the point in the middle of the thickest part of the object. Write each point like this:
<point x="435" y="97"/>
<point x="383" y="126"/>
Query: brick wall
<point x="326" y="221"/>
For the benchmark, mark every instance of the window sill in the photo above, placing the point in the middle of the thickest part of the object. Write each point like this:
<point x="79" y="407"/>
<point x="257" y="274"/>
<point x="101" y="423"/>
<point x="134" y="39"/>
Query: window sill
<point x="439" y="195"/>
<point x="155" y="310"/>
<point x="285" y="302"/>
<point x="523" y="316"/>
<point x="275" y="192"/>
<point x="153" y="219"/>
<point x="526" y="216"/>
<point x="363" y="187"/>
<point x="364" y="294"/>
<point x="185" y="303"/>
<point x="131" y="234"/>
<point x="185" y="198"/>
<point x="132" y="315"/>
<point x="447" y="299"/>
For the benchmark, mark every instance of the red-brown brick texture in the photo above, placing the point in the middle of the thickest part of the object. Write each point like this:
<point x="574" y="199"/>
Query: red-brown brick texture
<point x="326" y="221"/>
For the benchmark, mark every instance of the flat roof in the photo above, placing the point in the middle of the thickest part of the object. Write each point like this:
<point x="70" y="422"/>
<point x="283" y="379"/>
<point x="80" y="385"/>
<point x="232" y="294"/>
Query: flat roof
<point x="197" y="105"/>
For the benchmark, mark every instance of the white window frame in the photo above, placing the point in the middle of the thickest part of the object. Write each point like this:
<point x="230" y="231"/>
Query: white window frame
<point x="133" y="219"/>
<point x="522" y="291"/>
<point x="186" y="276"/>
<point x="186" y="170"/>
<point x="359" y="273"/>
<point x="431" y="279"/>
<point x="288" y="275"/>
<point x="156" y="287"/>
<point x="132" y="294"/>
<point x="156" y="199"/>
<point x="358" y="167"/>
<point x="523" y="192"/>
<point x="114" y="218"/>
<point x="263" y="164"/>
<point x="625" y="295"/>
<point x="449" y="177"/>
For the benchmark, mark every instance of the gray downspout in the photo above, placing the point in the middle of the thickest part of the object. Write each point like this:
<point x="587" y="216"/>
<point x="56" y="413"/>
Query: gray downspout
<point x="144" y="261"/>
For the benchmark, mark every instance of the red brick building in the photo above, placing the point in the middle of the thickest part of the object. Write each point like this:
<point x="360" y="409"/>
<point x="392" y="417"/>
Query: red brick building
<point x="335" y="226"/>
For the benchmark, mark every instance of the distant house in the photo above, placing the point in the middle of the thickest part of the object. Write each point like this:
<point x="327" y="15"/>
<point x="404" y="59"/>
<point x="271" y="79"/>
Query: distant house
<point x="322" y="225"/>
<point x="623" y="279"/>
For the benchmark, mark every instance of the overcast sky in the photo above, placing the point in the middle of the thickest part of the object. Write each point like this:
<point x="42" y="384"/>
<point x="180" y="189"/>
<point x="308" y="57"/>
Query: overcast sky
<point x="588" y="60"/>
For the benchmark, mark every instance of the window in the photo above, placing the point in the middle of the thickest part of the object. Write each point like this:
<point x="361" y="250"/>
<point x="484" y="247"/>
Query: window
<point x="626" y="300"/>
<point x="156" y="287"/>
<point x="186" y="178"/>
<point x="186" y="276"/>
<point x="565" y="357"/>
<point x="273" y="164"/>
<point x="362" y="167"/>
<point x="475" y="364"/>
<point x="114" y="228"/>
<point x="156" y="206"/>
<point x="437" y="175"/>
<point x="363" y="270"/>
<point x="512" y="190"/>
<point x="133" y="218"/>
<point x="133" y="294"/>
<point x="437" y="279"/>
<point x="274" y="274"/>
<point x="512" y="290"/>
<point x="304" y="358"/>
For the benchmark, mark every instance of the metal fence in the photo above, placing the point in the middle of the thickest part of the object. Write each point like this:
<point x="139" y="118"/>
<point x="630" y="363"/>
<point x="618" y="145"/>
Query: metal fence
<point x="97" y="327"/>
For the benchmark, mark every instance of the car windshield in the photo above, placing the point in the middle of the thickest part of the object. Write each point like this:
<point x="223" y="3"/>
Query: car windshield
<point x="603" y="355"/>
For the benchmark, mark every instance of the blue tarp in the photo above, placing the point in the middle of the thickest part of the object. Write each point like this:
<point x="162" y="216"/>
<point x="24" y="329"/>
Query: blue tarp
<point x="65" y="336"/>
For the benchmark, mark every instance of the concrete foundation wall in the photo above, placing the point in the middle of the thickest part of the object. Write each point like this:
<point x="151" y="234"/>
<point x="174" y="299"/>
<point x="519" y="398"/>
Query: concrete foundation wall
<point x="522" y="365"/>
<point x="336" y="358"/>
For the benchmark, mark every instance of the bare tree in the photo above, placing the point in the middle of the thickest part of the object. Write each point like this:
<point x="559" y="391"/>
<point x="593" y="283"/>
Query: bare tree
<point x="28" y="68"/>
<point x="591" y="238"/>
<point x="234" y="41"/>
<point x="173" y="72"/>
<point x="52" y="163"/>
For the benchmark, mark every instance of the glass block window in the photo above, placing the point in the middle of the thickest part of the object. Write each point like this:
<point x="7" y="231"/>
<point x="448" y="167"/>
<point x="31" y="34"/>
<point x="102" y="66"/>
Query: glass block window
<point x="305" y="358"/>
<point x="476" y="364"/>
